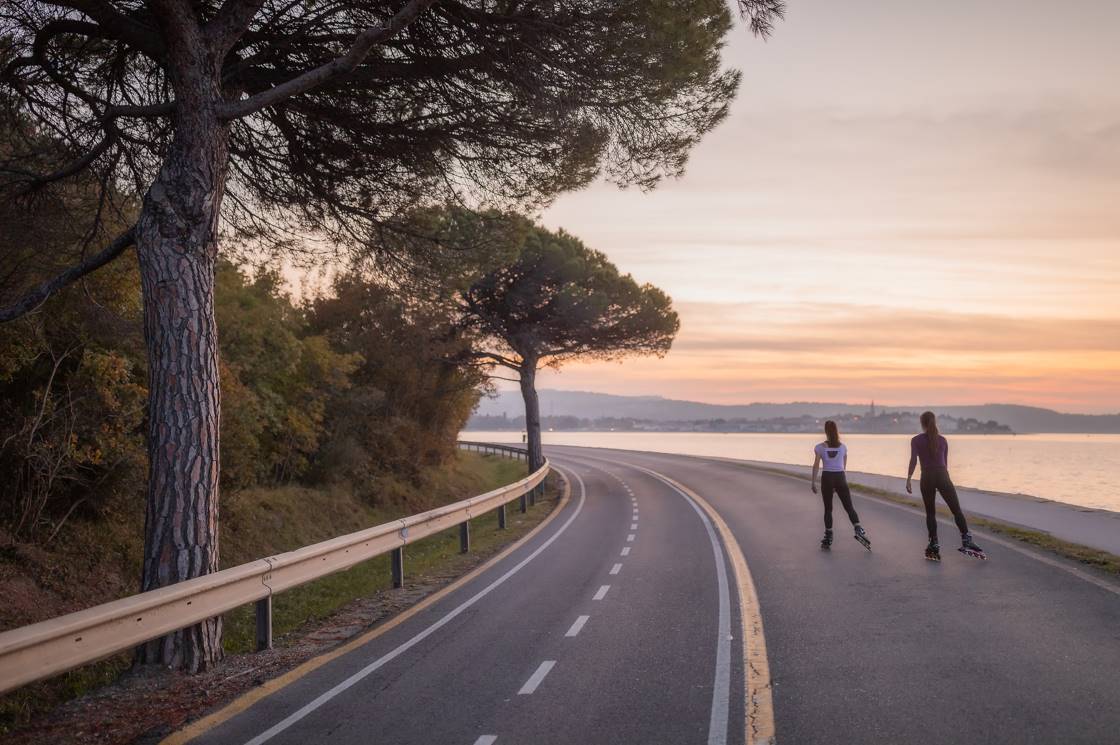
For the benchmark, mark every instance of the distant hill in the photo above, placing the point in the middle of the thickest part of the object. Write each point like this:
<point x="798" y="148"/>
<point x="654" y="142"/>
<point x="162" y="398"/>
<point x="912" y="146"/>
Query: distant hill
<point x="591" y="405"/>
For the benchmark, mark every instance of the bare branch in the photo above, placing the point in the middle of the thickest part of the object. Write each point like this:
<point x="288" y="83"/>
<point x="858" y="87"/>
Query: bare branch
<point x="361" y="47"/>
<point x="39" y="295"/>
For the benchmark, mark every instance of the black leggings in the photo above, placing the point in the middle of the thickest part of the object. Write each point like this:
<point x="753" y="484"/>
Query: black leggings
<point x="836" y="481"/>
<point x="934" y="481"/>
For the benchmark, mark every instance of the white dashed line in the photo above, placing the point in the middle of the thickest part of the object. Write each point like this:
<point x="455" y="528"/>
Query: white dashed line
<point x="602" y="592"/>
<point x="633" y="526"/>
<point x="625" y="551"/>
<point x="616" y="569"/>
<point x="577" y="626"/>
<point x="372" y="667"/>
<point x="536" y="678"/>
<point x="486" y="740"/>
<point x="630" y="538"/>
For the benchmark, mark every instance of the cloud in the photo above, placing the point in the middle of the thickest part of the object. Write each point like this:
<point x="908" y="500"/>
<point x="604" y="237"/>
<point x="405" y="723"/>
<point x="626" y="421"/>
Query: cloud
<point x="823" y="328"/>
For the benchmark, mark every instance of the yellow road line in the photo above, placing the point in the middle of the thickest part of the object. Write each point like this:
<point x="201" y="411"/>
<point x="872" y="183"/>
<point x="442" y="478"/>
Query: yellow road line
<point x="240" y="704"/>
<point x="759" y="720"/>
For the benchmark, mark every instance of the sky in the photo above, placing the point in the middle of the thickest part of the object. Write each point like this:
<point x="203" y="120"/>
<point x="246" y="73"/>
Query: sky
<point x="911" y="202"/>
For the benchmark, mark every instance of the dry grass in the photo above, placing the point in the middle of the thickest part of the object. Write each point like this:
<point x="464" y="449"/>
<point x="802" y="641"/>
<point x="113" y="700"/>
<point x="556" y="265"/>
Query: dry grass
<point x="97" y="563"/>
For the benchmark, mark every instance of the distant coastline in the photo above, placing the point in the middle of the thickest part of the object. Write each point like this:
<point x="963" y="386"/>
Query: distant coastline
<point x="585" y="411"/>
<point x="872" y="422"/>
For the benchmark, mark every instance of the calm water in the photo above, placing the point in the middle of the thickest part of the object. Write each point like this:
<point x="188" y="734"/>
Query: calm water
<point x="1078" y="469"/>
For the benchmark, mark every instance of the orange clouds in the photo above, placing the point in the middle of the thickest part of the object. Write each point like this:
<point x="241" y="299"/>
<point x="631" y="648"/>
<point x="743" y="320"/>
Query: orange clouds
<point x="882" y="218"/>
<point x="741" y="353"/>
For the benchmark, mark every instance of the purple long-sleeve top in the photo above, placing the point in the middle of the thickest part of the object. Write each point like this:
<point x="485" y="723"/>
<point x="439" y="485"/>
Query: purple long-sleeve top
<point x="920" y="451"/>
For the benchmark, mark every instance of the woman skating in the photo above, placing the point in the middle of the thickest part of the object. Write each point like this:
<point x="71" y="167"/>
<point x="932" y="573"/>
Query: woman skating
<point x="834" y="455"/>
<point x="932" y="450"/>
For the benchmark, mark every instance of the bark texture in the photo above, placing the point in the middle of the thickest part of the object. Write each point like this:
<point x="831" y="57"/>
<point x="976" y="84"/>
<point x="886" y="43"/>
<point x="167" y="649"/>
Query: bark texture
<point x="177" y="251"/>
<point x="532" y="414"/>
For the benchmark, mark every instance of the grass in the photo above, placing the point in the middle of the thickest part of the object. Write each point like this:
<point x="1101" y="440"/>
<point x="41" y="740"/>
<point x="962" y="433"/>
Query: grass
<point x="1091" y="557"/>
<point x="316" y="600"/>
<point x="263" y="522"/>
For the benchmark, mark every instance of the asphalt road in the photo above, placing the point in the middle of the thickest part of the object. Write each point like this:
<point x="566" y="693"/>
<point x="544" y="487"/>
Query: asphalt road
<point x="620" y="622"/>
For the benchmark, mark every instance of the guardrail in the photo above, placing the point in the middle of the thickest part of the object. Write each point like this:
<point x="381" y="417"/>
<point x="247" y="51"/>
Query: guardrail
<point x="50" y="647"/>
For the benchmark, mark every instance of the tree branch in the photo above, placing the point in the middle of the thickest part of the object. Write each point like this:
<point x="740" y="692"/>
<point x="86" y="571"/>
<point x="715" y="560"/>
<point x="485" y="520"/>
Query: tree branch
<point x="39" y="295"/>
<point x="73" y="167"/>
<point x="313" y="78"/>
<point x="230" y="23"/>
<point x="494" y="358"/>
<point x="117" y="25"/>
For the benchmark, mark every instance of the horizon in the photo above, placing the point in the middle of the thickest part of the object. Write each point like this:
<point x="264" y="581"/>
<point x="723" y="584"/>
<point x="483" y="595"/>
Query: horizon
<point x="878" y="404"/>
<point x="877" y="219"/>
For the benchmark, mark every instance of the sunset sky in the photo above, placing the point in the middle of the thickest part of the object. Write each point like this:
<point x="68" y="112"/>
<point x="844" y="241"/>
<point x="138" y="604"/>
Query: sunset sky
<point x="914" y="202"/>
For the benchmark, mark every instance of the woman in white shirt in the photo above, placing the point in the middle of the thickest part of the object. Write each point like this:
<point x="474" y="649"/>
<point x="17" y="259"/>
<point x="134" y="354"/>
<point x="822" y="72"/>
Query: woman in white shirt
<point x="834" y="455"/>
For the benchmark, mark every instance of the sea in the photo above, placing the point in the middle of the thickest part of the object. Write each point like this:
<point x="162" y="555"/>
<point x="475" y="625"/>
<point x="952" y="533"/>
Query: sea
<point x="1079" y="469"/>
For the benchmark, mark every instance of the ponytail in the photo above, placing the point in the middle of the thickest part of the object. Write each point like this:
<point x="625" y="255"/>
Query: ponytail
<point x="929" y="424"/>
<point x="832" y="434"/>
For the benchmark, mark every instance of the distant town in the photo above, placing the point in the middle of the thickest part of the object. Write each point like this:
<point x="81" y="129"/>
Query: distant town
<point x="873" y="421"/>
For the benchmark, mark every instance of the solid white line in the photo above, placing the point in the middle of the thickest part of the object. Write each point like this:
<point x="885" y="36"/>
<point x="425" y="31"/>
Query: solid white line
<point x="577" y="626"/>
<point x="602" y="592"/>
<point x="486" y="740"/>
<point x="616" y="569"/>
<point x="630" y="538"/>
<point x="626" y="551"/>
<point x="303" y="711"/>
<point x="536" y="678"/>
<point x="721" y="689"/>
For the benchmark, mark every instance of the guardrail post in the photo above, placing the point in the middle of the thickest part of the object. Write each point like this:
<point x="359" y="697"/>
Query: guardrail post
<point x="398" y="567"/>
<point x="524" y="502"/>
<point x="532" y="496"/>
<point x="264" y="624"/>
<point x="465" y="537"/>
<point x="502" y="517"/>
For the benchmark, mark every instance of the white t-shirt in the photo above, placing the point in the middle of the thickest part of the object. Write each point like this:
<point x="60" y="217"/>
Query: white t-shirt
<point x="832" y="458"/>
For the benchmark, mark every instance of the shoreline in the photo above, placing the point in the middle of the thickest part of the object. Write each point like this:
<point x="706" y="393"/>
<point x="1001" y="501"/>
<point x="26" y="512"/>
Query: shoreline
<point x="1077" y="470"/>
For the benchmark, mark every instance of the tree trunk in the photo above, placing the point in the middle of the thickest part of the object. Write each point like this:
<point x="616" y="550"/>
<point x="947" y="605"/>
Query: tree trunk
<point x="177" y="251"/>
<point x="532" y="413"/>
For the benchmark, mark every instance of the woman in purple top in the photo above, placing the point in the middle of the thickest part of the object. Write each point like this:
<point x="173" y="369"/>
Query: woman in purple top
<point x="933" y="451"/>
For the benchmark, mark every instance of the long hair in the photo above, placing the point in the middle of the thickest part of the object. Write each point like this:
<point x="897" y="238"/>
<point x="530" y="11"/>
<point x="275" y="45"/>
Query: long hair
<point x="832" y="434"/>
<point x="929" y="424"/>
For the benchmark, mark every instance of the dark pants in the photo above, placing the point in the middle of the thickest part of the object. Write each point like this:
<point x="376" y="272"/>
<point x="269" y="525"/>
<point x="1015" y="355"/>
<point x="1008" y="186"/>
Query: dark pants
<point x="937" y="480"/>
<point x="836" y="482"/>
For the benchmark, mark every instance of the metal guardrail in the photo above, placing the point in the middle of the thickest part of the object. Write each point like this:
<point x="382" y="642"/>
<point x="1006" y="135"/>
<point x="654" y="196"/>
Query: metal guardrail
<point x="54" y="646"/>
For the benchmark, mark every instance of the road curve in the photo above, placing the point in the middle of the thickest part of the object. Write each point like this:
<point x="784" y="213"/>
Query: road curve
<point x="621" y="622"/>
<point x="886" y="647"/>
<point x="609" y="626"/>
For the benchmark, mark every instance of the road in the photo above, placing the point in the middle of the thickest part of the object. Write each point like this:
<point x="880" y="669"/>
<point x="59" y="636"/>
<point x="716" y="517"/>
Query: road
<point x="624" y="620"/>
